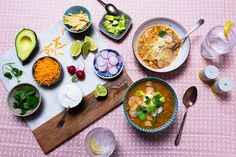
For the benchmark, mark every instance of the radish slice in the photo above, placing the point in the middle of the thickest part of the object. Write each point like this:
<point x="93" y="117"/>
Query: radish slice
<point x="100" y="61"/>
<point x="102" y="68"/>
<point x="113" y="60"/>
<point x="104" y="54"/>
<point x="111" y="54"/>
<point x="113" y="70"/>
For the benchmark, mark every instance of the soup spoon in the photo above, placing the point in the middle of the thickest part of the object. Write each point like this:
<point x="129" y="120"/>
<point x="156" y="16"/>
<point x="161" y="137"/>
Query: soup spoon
<point x="189" y="99"/>
<point x="110" y="8"/>
<point x="178" y="44"/>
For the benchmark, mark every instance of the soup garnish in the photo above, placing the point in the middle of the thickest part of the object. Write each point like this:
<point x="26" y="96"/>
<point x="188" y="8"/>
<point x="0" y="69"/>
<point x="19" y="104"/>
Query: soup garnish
<point x="150" y="104"/>
<point x="153" y="46"/>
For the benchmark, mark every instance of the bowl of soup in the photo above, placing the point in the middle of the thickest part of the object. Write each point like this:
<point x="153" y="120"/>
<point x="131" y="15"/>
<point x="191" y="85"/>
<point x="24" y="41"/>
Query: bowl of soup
<point x="152" y="42"/>
<point x="150" y="105"/>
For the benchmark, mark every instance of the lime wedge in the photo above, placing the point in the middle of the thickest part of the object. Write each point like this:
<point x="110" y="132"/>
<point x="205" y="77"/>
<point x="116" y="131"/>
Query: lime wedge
<point x="100" y="91"/>
<point x="76" y="48"/>
<point x="85" y="49"/>
<point x="227" y="27"/>
<point x="93" y="45"/>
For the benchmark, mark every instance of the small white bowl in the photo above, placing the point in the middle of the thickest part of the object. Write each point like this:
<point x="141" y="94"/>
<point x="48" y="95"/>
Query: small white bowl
<point x="178" y="28"/>
<point x="64" y="98"/>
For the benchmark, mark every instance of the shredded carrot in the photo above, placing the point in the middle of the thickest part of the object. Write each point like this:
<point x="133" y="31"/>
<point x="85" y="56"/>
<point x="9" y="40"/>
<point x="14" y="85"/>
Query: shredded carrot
<point x="47" y="71"/>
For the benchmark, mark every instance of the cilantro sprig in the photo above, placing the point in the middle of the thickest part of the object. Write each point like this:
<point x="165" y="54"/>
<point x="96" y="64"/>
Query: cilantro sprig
<point x="26" y="99"/>
<point x="9" y="71"/>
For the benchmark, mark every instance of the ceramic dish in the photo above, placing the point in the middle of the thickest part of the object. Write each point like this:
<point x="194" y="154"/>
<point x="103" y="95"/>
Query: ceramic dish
<point x="60" y="75"/>
<point x="175" y="105"/>
<point x="102" y="65"/>
<point x="112" y="36"/>
<point x="11" y="100"/>
<point x="180" y="31"/>
<point x="76" y="10"/>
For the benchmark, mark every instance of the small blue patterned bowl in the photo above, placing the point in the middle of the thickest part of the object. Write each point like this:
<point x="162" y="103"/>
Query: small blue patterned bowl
<point x="105" y="74"/>
<point x="76" y="10"/>
<point x="169" y="122"/>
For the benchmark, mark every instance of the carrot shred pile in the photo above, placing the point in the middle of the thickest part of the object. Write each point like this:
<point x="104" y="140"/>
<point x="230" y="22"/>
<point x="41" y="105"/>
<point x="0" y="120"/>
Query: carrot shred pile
<point x="46" y="71"/>
<point x="53" y="46"/>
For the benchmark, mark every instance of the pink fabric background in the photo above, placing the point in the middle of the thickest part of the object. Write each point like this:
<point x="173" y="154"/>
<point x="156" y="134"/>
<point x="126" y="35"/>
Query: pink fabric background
<point x="210" y="126"/>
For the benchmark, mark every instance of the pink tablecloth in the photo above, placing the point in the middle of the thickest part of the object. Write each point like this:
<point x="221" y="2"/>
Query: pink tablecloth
<point x="210" y="128"/>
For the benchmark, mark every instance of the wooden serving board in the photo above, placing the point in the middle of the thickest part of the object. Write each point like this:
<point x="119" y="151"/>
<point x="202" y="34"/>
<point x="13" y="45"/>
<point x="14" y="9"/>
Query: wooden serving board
<point x="90" y="109"/>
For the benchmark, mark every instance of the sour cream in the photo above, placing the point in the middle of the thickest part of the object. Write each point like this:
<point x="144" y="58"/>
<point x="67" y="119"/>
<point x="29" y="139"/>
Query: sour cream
<point x="70" y="95"/>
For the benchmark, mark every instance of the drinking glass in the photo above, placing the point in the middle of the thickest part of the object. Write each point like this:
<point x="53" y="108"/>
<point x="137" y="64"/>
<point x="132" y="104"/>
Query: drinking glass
<point x="100" y="142"/>
<point x="216" y="43"/>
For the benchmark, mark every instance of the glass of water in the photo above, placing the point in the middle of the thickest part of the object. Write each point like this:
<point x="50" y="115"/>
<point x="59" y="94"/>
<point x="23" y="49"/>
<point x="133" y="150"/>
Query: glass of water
<point x="100" y="142"/>
<point x="216" y="43"/>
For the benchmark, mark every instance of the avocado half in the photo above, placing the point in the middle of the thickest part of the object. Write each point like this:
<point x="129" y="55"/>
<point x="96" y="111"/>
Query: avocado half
<point x="25" y="43"/>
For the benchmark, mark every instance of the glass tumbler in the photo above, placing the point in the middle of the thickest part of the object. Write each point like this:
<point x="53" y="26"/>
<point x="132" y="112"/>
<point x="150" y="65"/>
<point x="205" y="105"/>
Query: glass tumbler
<point x="216" y="43"/>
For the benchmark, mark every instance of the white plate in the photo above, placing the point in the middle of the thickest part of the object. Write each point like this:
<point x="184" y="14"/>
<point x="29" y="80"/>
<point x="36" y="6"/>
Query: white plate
<point x="178" y="28"/>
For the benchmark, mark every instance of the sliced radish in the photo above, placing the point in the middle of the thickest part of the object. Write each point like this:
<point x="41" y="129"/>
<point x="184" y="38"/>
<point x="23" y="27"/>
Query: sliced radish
<point x="100" y="60"/>
<point x="102" y="68"/>
<point x="113" y="70"/>
<point x="111" y="54"/>
<point x="104" y="54"/>
<point x="113" y="60"/>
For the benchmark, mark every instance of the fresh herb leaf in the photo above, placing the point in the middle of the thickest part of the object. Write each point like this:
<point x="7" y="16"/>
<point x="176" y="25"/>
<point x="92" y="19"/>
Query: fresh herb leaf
<point x="11" y="71"/>
<point x="154" y="119"/>
<point x="26" y="99"/>
<point x="147" y="99"/>
<point x="162" y="34"/>
<point x="8" y="75"/>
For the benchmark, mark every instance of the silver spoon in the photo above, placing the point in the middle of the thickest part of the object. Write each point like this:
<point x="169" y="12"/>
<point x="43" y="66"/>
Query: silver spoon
<point x="189" y="99"/>
<point x="62" y="121"/>
<point x="110" y="8"/>
<point x="178" y="44"/>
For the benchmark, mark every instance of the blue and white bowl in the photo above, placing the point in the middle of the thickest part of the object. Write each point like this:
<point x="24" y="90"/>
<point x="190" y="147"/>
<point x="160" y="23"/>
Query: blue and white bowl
<point x="164" y="126"/>
<point x="104" y="73"/>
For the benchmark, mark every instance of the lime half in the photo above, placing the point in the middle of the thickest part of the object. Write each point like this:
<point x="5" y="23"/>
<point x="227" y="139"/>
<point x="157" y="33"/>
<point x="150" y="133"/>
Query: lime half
<point x="93" y="45"/>
<point x="85" y="49"/>
<point x="76" y="48"/>
<point x="100" y="91"/>
<point x="227" y="27"/>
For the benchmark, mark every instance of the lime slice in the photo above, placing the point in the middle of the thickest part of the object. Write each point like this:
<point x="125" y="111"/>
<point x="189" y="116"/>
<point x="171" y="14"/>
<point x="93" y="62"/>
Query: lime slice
<point x="85" y="49"/>
<point x="76" y="48"/>
<point x="227" y="27"/>
<point x="100" y="91"/>
<point x="93" y="45"/>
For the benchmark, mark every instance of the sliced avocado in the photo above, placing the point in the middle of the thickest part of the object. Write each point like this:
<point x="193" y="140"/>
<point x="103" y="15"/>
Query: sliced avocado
<point x="109" y="17"/>
<point x="106" y="23"/>
<point x="162" y="99"/>
<point x="117" y="32"/>
<point x="25" y="43"/>
<point x="112" y="29"/>
<point x="123" y="17"/>
<point x="116" y="17"/>
<point x="108" y="26"/>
